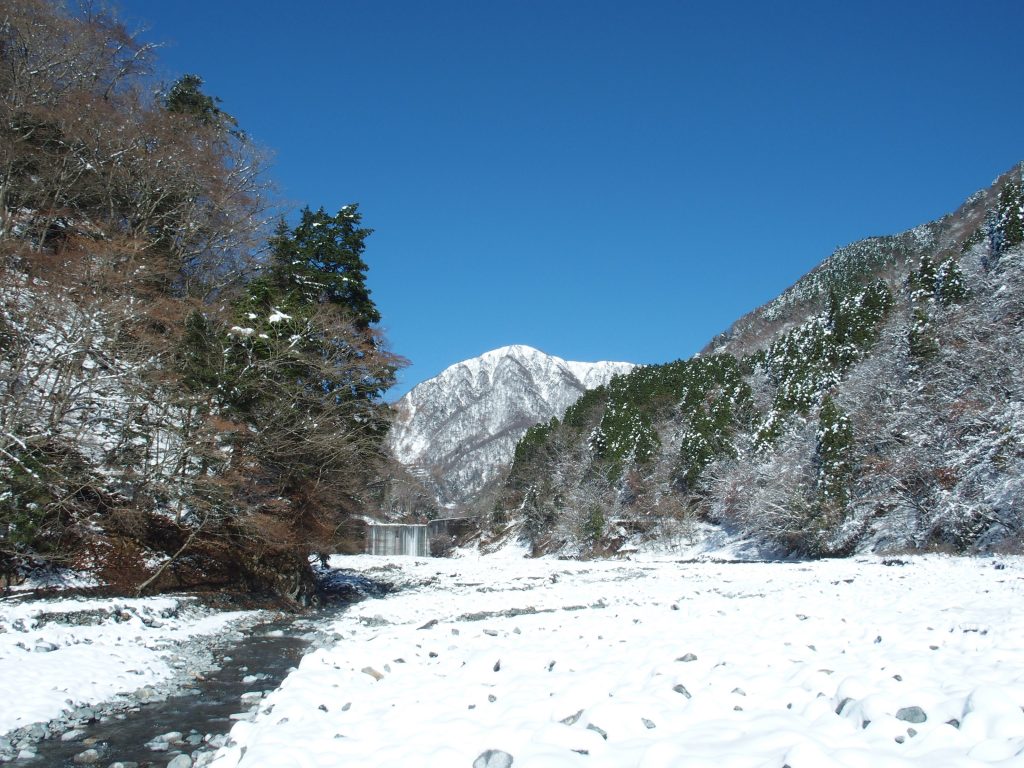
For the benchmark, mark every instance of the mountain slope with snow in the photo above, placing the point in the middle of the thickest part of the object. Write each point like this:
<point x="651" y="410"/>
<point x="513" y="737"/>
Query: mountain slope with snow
<point x="461" y="427"/>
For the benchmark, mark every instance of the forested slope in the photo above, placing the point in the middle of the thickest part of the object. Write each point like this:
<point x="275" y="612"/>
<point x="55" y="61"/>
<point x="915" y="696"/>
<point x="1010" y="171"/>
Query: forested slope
<point x="187" y="397"/>
<point x="877" y="403"/>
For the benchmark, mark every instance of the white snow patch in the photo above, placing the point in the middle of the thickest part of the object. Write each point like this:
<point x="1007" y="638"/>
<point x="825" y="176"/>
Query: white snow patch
<point x="658" y="664"/>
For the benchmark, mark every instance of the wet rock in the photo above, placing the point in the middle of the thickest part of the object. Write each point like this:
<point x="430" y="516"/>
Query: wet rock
<point x="75" y="735"/>
<point x="121" y="764"/>
<point x="911" y="715"/>
<point x="85" y="714"/>
<point x="493" y="758"/>
<point x="88" y="757"/>
<point x="181" y="761"/>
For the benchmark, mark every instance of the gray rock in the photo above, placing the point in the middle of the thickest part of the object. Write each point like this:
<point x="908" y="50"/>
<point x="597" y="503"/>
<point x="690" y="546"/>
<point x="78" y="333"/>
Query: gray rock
<point x="87" y="714"/>
<point x="121" y="764"/>
<point x="42" y="647"/>
<point x="171" y="737"/>
<point x="682" y="689"/>
<point x="687" y="657"/>
<point x="89" y="757"/>
<point x="493" y="758"/>
<point x="599" y="731"/>
<point x="571" y="719"/>
<point x="648" y="724"/>
<point x="75" y="735"/>
<point x="911" y="715"/>
<point x="181" y="761"/>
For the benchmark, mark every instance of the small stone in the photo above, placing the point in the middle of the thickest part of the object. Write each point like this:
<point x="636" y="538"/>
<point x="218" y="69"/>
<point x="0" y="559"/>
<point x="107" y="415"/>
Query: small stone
<point x="181" y="761"/>
<point x="122" y="764"/>
<point x="88" y="714"/>
<point x="430" y="624"/>
<point x="74" y="735"/>
<point x="842" y="705"/>
<point x="687" y="657"/>
<point x="571" y="719"/>
<point x="954" y="722"/>
<point x="89" y="757"/>
<point x="739" y="691"/>
<point x="900" y="739"/>
<point x="347" y="706"/>
<point x="491" y="632"/>
<point x="156" y="745"/>
<point x="42" y="647"/>
<point x="599" y="731"/>
<point x="648" y="724"/>
<point x="911" y="715"/>
<point x="372" y="673"/>
<point x="878" y="640"/>
<point x="680" y="688"/>
<point x="492" y="698"/>
<point x="911" y="732"/>
<point x="322" y="707"/>
<point x="171" y="737"/>
<point x="497" y="666"/>
<point x="27" y="754"/>
<point x="493" y="758"/>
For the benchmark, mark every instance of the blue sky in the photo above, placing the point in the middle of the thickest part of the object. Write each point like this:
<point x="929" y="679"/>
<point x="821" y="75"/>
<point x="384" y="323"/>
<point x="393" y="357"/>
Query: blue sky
<point x="606" y="180"/>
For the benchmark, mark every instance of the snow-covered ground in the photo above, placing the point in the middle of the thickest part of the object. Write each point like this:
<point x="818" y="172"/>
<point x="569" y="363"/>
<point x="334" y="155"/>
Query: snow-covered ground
<point x="657" y="664"/>
<point x="56" y="655"/>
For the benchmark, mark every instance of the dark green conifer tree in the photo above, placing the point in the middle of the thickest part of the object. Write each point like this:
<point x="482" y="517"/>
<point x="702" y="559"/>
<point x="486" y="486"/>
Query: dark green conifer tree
<point x="320" y="260"/>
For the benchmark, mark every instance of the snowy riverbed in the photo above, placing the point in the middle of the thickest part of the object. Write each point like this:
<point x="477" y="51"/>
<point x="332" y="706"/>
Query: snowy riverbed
<point x="656" y="664"/>
<point x="60" y="655"/>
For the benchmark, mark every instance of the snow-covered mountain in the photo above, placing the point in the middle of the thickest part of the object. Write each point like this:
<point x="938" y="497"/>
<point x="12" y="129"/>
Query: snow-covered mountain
<point x="461" y="427"/>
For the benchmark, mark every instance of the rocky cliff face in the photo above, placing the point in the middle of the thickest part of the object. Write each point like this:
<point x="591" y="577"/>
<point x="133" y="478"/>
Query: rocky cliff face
<point x="460" y="428"/>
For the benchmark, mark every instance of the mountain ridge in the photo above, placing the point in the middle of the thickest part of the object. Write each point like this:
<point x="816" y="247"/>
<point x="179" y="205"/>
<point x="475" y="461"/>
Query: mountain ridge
<point x="462" y="425"/>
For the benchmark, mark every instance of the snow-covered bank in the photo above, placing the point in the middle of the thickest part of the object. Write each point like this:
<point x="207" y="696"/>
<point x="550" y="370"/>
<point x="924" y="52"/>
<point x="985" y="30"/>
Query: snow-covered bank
<point x="59" y="655"/>
<point x="835" y="663"/>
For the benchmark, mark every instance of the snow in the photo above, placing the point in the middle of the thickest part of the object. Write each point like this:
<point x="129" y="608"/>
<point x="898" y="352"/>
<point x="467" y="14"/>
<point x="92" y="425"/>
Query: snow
<point x="857" y="663"/>
<point x="277" y="316"/>
<point x="49" y="665"/>
<point x="465" y="422"/>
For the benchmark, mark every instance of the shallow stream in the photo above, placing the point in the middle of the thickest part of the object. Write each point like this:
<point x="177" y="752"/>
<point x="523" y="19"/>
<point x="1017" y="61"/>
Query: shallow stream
<point x="257" y="663"/>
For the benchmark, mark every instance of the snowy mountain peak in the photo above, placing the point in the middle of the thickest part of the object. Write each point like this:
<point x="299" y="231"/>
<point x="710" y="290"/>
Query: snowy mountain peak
<point x="461" y="427"/>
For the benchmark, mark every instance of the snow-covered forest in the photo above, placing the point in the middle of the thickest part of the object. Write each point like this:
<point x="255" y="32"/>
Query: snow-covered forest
<point x="189" y="393"/>
<point x="875" y="405"/>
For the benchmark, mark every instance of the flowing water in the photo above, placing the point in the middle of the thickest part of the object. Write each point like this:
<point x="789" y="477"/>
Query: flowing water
<point x="268" y="651"/>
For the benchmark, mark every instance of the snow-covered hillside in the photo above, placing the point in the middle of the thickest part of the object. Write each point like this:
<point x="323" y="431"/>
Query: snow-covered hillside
<point x="461" y="427"/>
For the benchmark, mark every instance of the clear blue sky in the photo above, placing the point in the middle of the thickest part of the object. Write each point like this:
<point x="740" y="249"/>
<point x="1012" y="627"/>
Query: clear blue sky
<point x="606" y="180"/>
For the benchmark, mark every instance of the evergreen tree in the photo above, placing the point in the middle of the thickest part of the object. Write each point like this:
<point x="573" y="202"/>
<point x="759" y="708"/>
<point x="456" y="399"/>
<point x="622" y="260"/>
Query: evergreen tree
<point x="1011" y="213"/>
<point x="320" y="260"/>
<point x="950" y="287"/>
<point x="186" y="97"/>
<point x="834" y="454"/>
